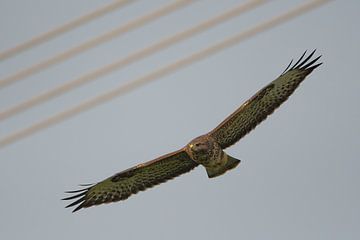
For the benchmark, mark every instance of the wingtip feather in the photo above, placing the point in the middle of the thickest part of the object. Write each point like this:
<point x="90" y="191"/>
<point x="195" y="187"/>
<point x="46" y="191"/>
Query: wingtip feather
<point x="288" y="66"/>
<point x="80" y="200"/>
<point x="299" y="60"/>
<point x="304" y="64"/>
<point x="74" y="196"/>
<point x="310" y="63"/>
<point x="78" y="208"/>
<point x="76" y="191"/>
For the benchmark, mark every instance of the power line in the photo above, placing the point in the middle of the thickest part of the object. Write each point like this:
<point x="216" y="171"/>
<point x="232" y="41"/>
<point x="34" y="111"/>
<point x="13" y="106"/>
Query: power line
<point x="131" y="85"/>
<point x="234" y="11"/>
<point x="94" y="42"/>
<point x="63" y="28"/>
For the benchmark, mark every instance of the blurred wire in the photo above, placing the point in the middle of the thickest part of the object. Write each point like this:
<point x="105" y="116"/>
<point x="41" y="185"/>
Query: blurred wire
<point x="63" y="28"/>
<point x="131" y="85"/>
<point x="94" y="42"/>
<point x="234" y="11"/>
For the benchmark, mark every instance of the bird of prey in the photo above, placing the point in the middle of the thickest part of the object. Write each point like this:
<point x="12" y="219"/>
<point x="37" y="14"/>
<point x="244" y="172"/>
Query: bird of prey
<point x="206" y="150"/>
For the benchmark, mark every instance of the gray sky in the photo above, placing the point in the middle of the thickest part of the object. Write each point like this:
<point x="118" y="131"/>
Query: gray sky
<point x="299" y="178"/>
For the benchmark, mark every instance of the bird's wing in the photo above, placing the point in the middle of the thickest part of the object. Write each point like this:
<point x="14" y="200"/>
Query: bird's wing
<point x="121" y="185"/>
<point x="263" y="103"/>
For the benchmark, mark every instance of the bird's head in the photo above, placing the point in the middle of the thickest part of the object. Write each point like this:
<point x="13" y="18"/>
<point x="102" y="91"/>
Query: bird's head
<point x="200" y="148"/>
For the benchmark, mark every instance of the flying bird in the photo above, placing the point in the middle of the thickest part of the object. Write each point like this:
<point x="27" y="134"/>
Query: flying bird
<point x="206" y="150"/>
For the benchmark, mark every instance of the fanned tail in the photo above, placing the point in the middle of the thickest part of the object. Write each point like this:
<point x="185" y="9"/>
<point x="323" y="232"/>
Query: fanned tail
<point x="217" y="171"/>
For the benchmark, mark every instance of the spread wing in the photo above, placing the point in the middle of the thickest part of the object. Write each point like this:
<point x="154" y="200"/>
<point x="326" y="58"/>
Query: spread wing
<point x="263" y="103"/>
<point x="121" y="185"/>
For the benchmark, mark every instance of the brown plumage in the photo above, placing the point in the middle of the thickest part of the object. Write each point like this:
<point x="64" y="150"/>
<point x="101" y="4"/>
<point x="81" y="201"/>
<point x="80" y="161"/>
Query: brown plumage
<point x="263" y="103"/>
<point x="206" y="150"/>
<point x="121" y="185"/>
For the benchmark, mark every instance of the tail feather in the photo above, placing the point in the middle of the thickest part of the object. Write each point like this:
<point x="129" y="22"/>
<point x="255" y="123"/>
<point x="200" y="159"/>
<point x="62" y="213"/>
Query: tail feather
<point x="217" y="171"/>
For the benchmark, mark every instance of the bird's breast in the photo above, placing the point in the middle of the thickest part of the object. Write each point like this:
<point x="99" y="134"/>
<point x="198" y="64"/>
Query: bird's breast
<point x="205" y="151"/>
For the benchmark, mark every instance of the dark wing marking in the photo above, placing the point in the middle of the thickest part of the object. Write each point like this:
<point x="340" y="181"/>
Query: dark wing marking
<point x="263" y="103"/>
<point x="121" y="185"/>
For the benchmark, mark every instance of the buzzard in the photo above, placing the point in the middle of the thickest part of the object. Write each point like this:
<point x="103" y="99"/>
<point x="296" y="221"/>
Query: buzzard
<point x="206" y="150"/>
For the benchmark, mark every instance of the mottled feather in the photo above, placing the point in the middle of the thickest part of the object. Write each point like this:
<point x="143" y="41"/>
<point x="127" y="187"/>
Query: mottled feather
<point x="263" y="103"/>
<point x="121" y="185"/>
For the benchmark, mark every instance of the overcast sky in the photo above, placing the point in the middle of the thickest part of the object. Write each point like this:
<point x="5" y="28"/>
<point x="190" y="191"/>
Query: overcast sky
<point x="299" y="176"/>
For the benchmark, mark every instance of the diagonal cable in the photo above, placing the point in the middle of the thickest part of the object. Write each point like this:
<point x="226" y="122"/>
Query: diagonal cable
<point x="233" y="12"/>
<point x="132" y="85"/>
<point x="131" y="25"/>
<point x="63" y="28"/>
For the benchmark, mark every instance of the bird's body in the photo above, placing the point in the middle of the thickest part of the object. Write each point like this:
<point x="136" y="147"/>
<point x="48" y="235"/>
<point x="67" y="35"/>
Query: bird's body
<point x="206" y="150"/>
